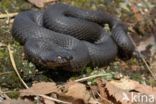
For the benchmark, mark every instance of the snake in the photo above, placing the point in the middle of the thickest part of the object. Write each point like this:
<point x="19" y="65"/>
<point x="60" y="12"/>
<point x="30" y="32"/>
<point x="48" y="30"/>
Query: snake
<point x="69" y="38"/>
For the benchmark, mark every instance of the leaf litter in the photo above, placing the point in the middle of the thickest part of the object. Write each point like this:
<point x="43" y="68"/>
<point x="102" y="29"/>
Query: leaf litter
<point x="120" y="90"/>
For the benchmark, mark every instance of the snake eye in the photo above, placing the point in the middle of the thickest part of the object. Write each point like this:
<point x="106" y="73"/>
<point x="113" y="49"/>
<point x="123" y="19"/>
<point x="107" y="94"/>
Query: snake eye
<point x="63" y="59"/>
<point x="59" y="57"/>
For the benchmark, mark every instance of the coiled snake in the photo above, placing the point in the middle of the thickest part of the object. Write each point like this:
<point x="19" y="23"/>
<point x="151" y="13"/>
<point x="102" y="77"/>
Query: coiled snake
<point x="66" y="37"/>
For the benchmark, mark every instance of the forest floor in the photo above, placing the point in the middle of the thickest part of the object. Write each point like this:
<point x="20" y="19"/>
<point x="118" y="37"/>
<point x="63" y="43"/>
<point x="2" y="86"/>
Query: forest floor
<point x="122" y="82"/>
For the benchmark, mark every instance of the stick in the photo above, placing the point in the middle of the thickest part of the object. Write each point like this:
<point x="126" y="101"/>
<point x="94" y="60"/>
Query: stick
<point x="148" y="67"/>
<point x="14" y="66"/>
<point x="6" y="96"/>
<point x="8" y="15"/>
<point x="53" y="99"/>
<point x="90" y="77"/>
<point x="145" y="63"/>
<point x="4" y="73"/>
<point x="142" y="58"/>
<point x="108" y="102"/>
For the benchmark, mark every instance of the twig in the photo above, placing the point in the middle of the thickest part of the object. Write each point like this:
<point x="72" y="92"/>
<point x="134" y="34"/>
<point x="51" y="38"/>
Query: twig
<point x="8" y="15"/>
<point x="43" y="96"/>
<point x="53" y="99"/>
<point x="145" y="63"/>
<point x="90" y="77"/>
<point x="4" y="94"/>
<point x="108" y="102"/>
<point x="14" y="66"/>
<point x="142" y="58"/>
<point x="148" y="67"/>
<point x="4" y="73"/>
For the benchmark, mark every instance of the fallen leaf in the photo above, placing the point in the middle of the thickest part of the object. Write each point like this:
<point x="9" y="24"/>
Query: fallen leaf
<point x="126" y="91"/>
<point x="136" y="12"/>
<point x="78" y="101"/>
<point x="127" y="83"/>
<point x="117" y="95"/>
<point x="47" y="101"/>
<point x="77" y="91"/>
<point x="144" y="44"/>
<point x="40" y="88"/>
<point x="102" y="92"/>
<point x="134" y="85"/>
<point x="124" y="65"/>
<point x="132" y="88"/>
<point x="18" y="101"/>
<point x="135" y="67"/>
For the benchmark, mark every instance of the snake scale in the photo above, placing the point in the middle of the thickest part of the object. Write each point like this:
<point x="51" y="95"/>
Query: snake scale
<point x="70" y="38"/>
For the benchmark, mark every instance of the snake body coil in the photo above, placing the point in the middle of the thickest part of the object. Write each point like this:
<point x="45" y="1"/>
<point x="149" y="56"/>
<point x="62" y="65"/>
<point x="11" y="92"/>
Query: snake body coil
<point x="67" y="37"/>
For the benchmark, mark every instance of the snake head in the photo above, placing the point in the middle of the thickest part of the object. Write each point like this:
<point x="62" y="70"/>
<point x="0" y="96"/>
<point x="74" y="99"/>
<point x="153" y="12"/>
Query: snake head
<point x="45" y="54"/>
<point x="54" y="60"/>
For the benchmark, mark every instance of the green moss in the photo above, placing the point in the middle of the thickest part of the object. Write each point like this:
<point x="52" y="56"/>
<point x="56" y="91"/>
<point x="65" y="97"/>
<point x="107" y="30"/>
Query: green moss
<point x="151" y="81"/>
<point x="13" y="5"/>
<point x="10" y="81"/>
<point x="13" y="94"/>
<point x="137" y="77"/>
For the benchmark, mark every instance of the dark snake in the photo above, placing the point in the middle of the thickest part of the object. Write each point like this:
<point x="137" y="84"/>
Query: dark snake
<point x="66" y="37"/>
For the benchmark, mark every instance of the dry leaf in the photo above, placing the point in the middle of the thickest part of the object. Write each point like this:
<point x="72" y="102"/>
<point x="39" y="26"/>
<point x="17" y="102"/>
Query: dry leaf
<point x="144" y="44"/>
<point x="128" y="84"/>
<point x="40" y="88"/>
<point x="78" y="101"/>
<point x="134" y="85"/>
<point x="118" y="94"/>
<point x="102" y="92"/>
<point x="41" y="3"/>
<point x="77" y="91"/>
<point x="135" y="67"/>
<point x="138" y="16"/>
<point x="134" y="89"/>
<point x="126" y="91"/>
<point x="47" y="101"/>
<point x="18" y="101"/>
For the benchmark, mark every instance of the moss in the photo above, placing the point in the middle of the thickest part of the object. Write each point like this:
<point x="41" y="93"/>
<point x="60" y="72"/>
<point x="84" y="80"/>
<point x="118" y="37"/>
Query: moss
<point x="13" y="94"/>
<point x="13" y="5"/>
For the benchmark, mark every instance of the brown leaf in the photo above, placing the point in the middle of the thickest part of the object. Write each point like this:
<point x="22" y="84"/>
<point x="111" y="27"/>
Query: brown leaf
<point x="126" y="91"/>
<point x="117" y="95"/>
<point x="145" y="43"/>
<point x="78" y="101"/>
<point x="128" y="84"/>
<point x="47" y="101"/>
<point x="77" y="91"/>
<point x="40" y="88"/>
<point x="135" y="67"/>
<point x="136" y="12"/>
<point x="103" y="94"/>
<point x="134" y="85"/>
<point x="18" y="101"/>
<point x="41" y="3"/>
<point x="131" y="89"/>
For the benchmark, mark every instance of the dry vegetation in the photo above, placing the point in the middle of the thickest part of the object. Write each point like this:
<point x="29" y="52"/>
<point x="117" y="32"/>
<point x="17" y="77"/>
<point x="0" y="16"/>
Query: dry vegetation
<point x="21" y="82"/>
